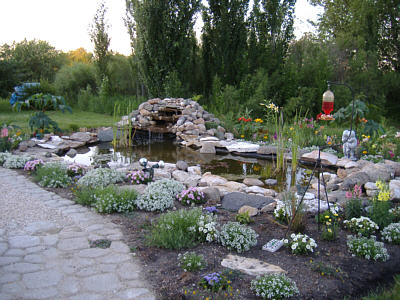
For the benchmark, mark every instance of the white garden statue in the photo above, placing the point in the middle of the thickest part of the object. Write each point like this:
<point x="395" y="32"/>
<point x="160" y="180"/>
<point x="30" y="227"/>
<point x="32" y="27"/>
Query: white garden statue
<point x="349" y="144"/>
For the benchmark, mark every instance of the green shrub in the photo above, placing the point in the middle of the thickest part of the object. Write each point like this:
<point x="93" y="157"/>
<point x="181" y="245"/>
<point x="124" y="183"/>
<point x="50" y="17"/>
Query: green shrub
<point x="159" y="195"/>
<point x="236" y="236"/>
<point x="367" y="248"/>
<point x="53" y="175"/>
<point x="111" y="199"/>
<point x="177" y="230"/>
<point x="101" y="177"/>
<point x="70" y="79"/>
<point x="84" y="195"/>
<point x="379" y="213"/>
<point x="243" y="218"/>
<point x="190" y="261"/>
<point x="274" y="286"/>
<point x="353" y="208"/>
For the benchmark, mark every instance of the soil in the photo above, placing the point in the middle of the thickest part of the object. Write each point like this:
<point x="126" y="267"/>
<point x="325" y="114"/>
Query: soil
<point x="329" y="273"/>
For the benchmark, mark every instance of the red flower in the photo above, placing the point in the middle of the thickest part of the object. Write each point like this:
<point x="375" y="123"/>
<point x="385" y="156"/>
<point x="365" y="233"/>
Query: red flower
<point x="319" y="116"/>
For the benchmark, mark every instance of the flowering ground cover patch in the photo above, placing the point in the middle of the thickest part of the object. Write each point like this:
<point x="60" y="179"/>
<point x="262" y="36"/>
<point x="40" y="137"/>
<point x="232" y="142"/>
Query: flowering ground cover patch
<point x="330" y="272"/>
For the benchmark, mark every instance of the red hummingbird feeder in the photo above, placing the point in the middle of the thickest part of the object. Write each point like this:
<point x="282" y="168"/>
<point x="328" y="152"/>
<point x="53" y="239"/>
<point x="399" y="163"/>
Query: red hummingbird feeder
<point x="328" y="100"/>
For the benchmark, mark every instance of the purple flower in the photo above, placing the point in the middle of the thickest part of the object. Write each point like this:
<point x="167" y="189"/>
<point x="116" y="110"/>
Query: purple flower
<point x="211" y="209"/>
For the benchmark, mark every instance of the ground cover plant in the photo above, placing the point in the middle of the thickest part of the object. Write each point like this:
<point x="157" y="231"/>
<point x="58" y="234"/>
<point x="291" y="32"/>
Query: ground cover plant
<point x="101" y="177"/>
<point x="274" y="287"/>
<point x="53" y="175"/>
<point x="367" y="248"/>
<point x="153" y="236"/>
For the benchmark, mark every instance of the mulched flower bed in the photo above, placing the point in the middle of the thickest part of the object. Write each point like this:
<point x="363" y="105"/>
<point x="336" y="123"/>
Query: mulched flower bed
<point x="329" y="273"/>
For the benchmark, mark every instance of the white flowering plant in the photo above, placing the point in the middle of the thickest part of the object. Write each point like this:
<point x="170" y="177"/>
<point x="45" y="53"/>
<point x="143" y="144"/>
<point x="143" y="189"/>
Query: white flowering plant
<point x="361" y="226"/>
<point x="111" y="199"/>
<point x="205" y="228"/>
<point x="15" y="161"/>
<point x="159" y="195"/>
<point x="101" y="177"/>
<point x="190" y="261"/>
<point x="3" y="157"/>
<point x="367" y="248"/>
<point x="54" y="175"/>
<point x="191" y="196"/>
<point x="138" y="177"/>
<point x="274" y="286"/>
<point x="300" y="243"/>
<point x="236" y="236"/>
<point x="391" y="233"/>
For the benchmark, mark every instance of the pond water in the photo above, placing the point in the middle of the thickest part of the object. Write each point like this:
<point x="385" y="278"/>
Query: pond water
<point x="231" y="167"/>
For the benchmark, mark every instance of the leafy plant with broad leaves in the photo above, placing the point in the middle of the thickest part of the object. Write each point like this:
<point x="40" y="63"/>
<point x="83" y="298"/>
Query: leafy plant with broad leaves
<point x="40" y="102"/>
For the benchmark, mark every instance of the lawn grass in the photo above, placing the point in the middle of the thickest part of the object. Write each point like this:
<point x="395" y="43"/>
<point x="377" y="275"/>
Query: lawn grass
<point x="65" y="120"/>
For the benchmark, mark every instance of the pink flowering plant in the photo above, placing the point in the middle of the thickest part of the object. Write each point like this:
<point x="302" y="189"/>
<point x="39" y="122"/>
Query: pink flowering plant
<point x="138" y="177"/>
<point x="33" y="165"/>
<point x="354" y="207"/>
<point x="191" y="196"/>
<point x="76" y="170"/>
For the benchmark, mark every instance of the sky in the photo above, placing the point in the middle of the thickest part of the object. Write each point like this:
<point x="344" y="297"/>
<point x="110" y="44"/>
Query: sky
<point x="64" y="24"/>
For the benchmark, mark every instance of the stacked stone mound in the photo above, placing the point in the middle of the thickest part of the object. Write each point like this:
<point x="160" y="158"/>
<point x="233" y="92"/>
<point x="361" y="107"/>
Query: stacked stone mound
<point x="183" y="117"/>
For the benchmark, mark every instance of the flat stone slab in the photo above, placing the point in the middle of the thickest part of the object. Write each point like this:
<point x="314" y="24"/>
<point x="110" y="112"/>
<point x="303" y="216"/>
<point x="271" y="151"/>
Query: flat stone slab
<point x="242" y="147"/>
<point x="234" y="201"/>
<point x="250" y="266"/>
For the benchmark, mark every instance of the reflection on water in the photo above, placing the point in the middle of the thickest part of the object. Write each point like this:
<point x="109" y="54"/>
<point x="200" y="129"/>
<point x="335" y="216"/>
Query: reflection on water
<point x="229" y="166"/>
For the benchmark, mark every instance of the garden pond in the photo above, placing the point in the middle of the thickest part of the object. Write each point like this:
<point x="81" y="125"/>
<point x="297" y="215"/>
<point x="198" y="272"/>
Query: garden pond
<point x="231" y="167"/>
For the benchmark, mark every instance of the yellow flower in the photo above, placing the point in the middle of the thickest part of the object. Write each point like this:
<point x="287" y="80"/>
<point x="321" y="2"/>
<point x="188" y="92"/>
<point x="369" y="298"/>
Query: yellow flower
<point x="326" y="217"/>
<point x="329" y="230"/>
<point x="258" y="120"/>
<point x="335" y="214"/>
<point x="365" y="152"/>
<point x="185" y="292"/>
<point x="291" y="128"/>
<point x="18" y="133"/>
<point x="316" y="131"/>
<point x="194" y="292"/>
<point x="242" y="135"/>
<point x="265" y="137"/>
<point x="322" y="273"/>
<point x="329" y="143"/>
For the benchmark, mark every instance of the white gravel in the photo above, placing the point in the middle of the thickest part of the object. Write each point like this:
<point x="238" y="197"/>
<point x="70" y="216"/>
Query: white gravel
<point x="21" y="203"/>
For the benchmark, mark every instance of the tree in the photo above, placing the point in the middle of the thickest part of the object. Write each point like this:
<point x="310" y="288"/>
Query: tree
<point x="99" y="36"/>
<point x="224" y="41"/>
<point x="35" y="59"/>
<point x="163" y="41"/>
<point x="80" y="55"/>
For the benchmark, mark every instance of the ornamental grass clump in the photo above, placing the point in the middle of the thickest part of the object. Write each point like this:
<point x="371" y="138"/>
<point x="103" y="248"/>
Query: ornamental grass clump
<point x="176" y="230"/>
<point x="191" y="196"/>
<point x="274" y="286"/>
<point x="159" y="195"/>
<point x="15" y="162"/>
<point x="361" y="226"/>
<point x="101" y="177"/>
<point x="367" y="248"/>
<point x="391" y="233"/>
<point x="190" y="261"/>
<point x="300" y="243"/>
<point x="236" y="236"/>
<point x="54" y="175"/>
<point x="112" y="199"/>
<point x="138" y="177"/>
<point x="33" y="165"/>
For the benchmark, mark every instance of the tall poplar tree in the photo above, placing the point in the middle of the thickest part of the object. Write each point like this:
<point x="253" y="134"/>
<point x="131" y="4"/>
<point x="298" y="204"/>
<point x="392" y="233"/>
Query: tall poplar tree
<point x="163" y="43"/>
<point x="224" y="41"/>
<point x="99" y="36"/>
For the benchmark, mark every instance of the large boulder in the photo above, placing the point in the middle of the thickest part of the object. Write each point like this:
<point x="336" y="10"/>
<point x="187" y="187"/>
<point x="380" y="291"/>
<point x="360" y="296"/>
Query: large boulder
<point x="234" y="201"/>
<point x="212" y="180"/>
<point x="327" y="159"/>
<point x="182" y="165"/>
<point x="81" y="136"/>
<point x="207" y="148"/>
<point x="252" y="181"/>
<point x="394" y="186"/>
<point x="211" y="194"/>
<point x="378" y="172"/>
<point x="359" y="178"/>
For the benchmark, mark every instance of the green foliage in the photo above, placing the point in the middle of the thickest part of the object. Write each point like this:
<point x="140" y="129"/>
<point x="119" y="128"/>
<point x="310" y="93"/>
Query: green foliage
<point x="243" y="218"/>
<point x="9" y="77"/>
<point x="15" y="161"/>
<point x="155" y="25"/>
<point x="35" y="59"/>
<point x="84" y="195"/>
<point x="99" y="36"/>
<point x="380" y="214"/>
<point x="173" y="229"/>
<point x="372" y="128"/>
<point x="389" y="293"/>
<point x="53" y="175"/>
<point x="72" y="79"/>
<point x="113" y="199"/>
<point x="190" y="261"/>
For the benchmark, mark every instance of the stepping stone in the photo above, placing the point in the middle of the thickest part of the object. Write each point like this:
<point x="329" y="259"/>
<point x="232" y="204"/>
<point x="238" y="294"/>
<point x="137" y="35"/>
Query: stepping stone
<point x="250" y="266"/>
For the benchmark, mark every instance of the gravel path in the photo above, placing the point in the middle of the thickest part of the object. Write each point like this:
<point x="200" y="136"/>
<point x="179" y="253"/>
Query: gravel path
<point x="45" y="248"/>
